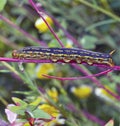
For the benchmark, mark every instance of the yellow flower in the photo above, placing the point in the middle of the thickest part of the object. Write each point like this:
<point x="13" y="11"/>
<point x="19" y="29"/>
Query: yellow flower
<point x="69" y="44"/>
<point x="41" y="25"/>
<point x="53" y="93"/>
<point x="49" y="109"/>
<point x="103" y="93"/>
<point x="44" y="69"/>
<point x="58" y="121"/>
<point x="37" y="101"/>
<point x="81" y="91"/>
<point x="57" y="117"/>
<point x="27" y="124"/>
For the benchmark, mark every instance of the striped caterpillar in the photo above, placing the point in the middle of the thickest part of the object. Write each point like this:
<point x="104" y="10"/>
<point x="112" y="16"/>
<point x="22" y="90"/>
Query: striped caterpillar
<point x="65" y="55"/>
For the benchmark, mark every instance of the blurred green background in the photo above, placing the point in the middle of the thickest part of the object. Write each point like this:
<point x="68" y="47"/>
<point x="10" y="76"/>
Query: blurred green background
<point x="95" y="24"/>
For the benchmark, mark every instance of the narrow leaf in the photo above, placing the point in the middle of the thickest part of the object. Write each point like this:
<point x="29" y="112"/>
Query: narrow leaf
<point x="2" y="4"/>
<point x="17" y="109"/>
<point x="19" y="101"/>
<point x="41" y="114"/>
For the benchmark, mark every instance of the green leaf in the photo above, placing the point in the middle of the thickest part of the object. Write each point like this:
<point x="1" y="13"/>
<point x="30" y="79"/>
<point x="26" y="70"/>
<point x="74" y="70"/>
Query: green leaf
<point x="53" y="43"/>
<point x="2" y="4"/>
<point x="4" y="71"/>
<point x="36" y="102"/>
<point x="37" y="113"/>
<point x="31" y="107"/>
<point x="19" y="101"/>
<point x="111" y="42"/>
<point x="17" y="109"/>
<point x="88" y="42"/>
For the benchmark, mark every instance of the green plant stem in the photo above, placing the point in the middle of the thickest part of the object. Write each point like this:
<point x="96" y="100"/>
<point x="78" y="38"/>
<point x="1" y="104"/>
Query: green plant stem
<point x="3" y="101"/>
<point x="100" y="24"/>
<point x="108" y="13"/>
<point x="24" y="77"/>
<point x="10" y="68"/>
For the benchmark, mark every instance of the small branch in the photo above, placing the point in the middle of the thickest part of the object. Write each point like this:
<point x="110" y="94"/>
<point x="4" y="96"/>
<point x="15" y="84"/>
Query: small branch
<point x="77" y="78"/>
<point x="8" y="42"/>
<point x="50" y="28"/>
<point x="93" y="118"/>
<point x="86" y="73"/>
<point x="23" y="60"/>
<point x="68" y="35"/>
<point x="115" y="17"/>
<point x="21" y="30"/>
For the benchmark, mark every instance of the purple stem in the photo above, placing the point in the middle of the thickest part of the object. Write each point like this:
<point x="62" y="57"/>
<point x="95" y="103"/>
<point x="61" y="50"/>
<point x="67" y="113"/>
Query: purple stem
<point x="78" y="78"/>
<point x="47" y="61"/>
<point x="98" y="83"/>
<point x="50" y="28"/>
<point x="86" y="73"/>
<point x="24" y="60"/>
<point x="77" y="67"/>
<point x="68" y="35"/>
<point x="93" y="118"/>
<point x="21" y="30"/>
<point x="71" y="107"/>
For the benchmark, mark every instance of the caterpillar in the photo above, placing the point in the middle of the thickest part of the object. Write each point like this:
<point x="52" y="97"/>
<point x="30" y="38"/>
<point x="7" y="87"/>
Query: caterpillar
<point x="65" y="55"/>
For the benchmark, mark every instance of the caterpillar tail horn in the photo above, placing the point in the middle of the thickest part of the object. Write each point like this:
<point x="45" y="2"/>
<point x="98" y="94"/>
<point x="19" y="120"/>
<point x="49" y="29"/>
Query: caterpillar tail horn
<point x="112" y="52"/>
